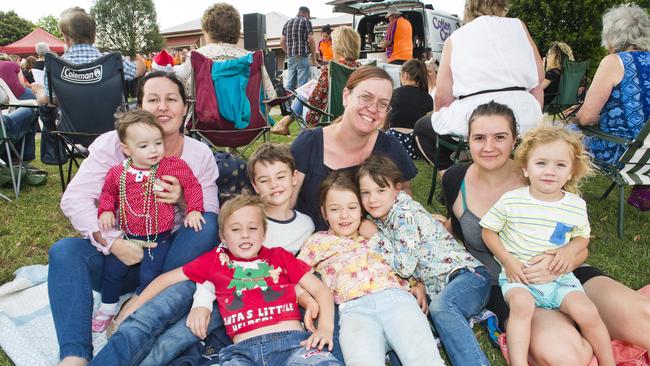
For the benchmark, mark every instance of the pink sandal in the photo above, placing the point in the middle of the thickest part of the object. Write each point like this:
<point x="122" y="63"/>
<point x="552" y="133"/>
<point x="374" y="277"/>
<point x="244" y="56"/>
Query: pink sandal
<point x="101" y="321"/>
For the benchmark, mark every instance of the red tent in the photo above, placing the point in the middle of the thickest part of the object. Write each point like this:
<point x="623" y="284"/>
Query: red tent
<point x="25" y="46"/>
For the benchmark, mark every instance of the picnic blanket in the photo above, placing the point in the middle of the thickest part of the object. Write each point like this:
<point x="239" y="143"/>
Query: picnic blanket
<point x="27" y="332"/>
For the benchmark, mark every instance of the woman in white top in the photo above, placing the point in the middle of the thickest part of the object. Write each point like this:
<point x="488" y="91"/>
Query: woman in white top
<point x="491" y="57"/>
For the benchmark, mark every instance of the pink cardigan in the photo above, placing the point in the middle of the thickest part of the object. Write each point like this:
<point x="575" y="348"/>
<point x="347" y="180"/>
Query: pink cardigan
<point x="79" y="202"/>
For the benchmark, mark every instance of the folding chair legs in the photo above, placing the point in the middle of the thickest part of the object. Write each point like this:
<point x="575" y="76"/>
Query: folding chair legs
<point x="434" y="175"/>
<point x="611" y="187"/>
<point x="621" y="208"/>
<point x="15" y="181"/>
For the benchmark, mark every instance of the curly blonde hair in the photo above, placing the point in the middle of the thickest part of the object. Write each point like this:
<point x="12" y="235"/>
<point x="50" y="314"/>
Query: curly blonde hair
<point x="221" y="23"/>
<point x="581" y="161"/>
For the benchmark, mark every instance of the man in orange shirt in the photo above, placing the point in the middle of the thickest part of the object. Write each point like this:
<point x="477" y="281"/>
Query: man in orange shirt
<point x="399" y="38"/>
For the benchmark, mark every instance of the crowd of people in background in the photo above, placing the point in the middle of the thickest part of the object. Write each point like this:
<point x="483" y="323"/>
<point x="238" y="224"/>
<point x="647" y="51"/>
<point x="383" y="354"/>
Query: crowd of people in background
<point x="386" y="265"/>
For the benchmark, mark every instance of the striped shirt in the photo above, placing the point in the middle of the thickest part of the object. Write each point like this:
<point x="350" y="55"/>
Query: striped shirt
<point x="528" y="227"/>
<point x="82" y="53"/>
<point x="136" y="182"/>
<point x="297" y="31"/>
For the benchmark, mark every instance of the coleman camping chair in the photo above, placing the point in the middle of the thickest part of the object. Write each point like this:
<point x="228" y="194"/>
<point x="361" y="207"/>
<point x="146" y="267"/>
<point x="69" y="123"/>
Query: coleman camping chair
<point x="88" y="95"/>
<point x="573" y="74"/>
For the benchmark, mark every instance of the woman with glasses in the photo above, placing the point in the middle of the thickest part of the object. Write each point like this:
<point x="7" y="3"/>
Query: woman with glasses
<point x="345" y="144"/>
<point x="349" y="140"/>
<point x="491" y="57"/>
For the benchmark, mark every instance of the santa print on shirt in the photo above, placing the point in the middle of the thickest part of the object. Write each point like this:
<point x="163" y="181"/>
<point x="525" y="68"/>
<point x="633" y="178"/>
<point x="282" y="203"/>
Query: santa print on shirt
<point x="251" y="293"/>
<point x="137" y="181"/>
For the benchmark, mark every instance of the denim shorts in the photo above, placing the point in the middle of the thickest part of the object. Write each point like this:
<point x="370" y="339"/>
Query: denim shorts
<point x="547" y="295"/>
<point x="280" y="348"/>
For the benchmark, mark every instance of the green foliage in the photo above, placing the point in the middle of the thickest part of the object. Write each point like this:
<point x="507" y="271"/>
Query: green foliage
<point x="50" y="23"/>
<point x="578" y="23"/>
<point x="13" y="27"/>
<point x="127" y="26"/>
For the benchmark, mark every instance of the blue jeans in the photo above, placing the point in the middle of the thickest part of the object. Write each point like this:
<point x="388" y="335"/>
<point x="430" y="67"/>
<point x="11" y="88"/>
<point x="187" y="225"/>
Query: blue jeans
<point x="297" y="71"/>
<point x="275" y="349"/>
<point x="390" y="318"/>
<point x="465" y="295"/>
<point x="75" y="270"/>
<point x="115" y="270"/>
<point x="22" y="122"/>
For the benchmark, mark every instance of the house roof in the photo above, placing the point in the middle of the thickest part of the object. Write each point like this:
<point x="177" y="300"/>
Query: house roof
<point x="26" y="44"/>
<point x="274" y="23"/>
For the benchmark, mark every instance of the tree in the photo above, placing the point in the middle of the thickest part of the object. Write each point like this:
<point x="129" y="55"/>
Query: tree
<point x="578" y="23"/>
<point x="127" y="26"/>
<point x="50" y="23"/>
<point x="13" y="27"/>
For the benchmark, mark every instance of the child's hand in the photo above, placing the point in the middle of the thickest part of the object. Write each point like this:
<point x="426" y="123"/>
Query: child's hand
<point x="367" y="229"/>
<point x="198" y="321"/>
<point x="324" y="335"/>
<point x="515" y="271"/>
<point x="311" y="313"/>
<point x="420" y="293"/>
<point x="562" y="260"/>
<point x="106" y="221"/>
<point x="194" y="220"/>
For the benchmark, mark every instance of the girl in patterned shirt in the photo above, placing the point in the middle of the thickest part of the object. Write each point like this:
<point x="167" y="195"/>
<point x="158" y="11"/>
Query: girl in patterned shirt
<point x="376" y="309"/>
<point x="127" y="199"/>
<point x="417" y="245"/>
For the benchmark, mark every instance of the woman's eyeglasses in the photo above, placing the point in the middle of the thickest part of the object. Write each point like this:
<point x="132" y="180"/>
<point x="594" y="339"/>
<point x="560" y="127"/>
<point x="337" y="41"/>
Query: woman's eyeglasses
<point x="367" y="100"/>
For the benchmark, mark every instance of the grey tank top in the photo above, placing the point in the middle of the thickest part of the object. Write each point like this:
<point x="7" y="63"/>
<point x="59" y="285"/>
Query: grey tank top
<point x="471" y="228"/>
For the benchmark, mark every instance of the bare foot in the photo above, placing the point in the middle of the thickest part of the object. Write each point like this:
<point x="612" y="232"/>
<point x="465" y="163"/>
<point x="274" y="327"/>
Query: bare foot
<point x="73" y="361"/>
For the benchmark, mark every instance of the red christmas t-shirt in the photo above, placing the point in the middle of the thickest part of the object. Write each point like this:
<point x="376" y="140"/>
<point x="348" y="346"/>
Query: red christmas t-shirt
<point x="137" y="200"/>
<point x="251" y="293"/>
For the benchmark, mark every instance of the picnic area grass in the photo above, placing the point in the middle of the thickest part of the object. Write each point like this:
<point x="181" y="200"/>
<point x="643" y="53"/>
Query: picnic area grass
<point x="34" y="222"/>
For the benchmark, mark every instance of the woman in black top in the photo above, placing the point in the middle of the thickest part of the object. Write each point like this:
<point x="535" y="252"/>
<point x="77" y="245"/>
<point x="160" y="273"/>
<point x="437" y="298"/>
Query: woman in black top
<point x="557" y="53"/>
<point x="410" y="102"/>
<point x="471" y="190"/>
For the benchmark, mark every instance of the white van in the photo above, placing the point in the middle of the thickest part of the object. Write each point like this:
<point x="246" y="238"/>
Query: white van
<point x="430" y="27"/>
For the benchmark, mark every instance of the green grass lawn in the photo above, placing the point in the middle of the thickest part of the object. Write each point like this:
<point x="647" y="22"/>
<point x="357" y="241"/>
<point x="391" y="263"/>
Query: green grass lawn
<point x="32" y="223"/>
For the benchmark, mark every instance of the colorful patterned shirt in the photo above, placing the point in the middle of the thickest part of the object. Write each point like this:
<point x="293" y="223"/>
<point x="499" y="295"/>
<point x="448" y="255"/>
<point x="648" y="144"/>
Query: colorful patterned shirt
<point x="627" y="109"/>
<point x="136" y="183"/>
<point x="349" y="266"/>
<point x="416" y="245"/>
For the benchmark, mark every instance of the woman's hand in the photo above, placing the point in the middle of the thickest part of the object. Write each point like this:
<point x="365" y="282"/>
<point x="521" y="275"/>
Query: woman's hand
<point x="198" y="321"/>
<point x="563" y="259"/>
<point x="172" y="192"/>
<point x="194" y="220"/>
<point x="538" y="271"/>
<point x="129" y="254"/>
<point x="420" y="293"/>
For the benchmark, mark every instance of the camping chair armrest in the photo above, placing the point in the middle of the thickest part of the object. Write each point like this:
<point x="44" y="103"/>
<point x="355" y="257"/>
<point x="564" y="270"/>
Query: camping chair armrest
<point x="276" y="101"/>
<point x="311" y="107"/>
<point x="595" y="132"/>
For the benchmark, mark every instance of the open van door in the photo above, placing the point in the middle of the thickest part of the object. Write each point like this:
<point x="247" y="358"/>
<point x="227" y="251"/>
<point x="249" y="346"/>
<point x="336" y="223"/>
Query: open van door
<point x="364" y="7"/>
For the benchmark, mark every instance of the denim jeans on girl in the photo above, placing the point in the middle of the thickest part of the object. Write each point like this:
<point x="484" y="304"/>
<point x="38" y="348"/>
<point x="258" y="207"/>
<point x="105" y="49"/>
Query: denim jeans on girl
<point x="275" y="349"/>
<point x="465" y="295"/>
<point x="390" y="318"/>
<point x="115" y="270"/>
<point x="75" y="270"/>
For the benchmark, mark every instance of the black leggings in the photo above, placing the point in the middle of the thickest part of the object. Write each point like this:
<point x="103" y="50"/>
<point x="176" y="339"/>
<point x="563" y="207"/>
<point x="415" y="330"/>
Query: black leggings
<point x="425" y="143"/>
